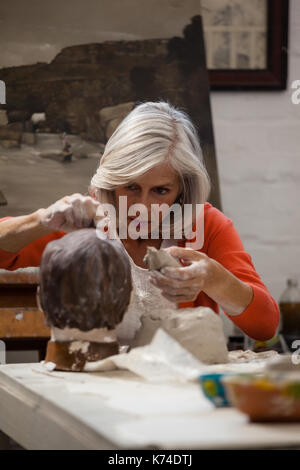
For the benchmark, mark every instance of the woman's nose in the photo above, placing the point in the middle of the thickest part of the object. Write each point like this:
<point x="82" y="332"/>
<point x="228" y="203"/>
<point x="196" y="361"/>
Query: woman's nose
<point x="145" y="202"/>
<point x="144" y="199"/>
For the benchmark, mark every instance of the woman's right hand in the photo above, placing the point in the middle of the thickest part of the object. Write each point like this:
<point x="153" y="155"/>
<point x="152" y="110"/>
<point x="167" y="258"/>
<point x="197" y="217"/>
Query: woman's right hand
<point x="70" y="213"/>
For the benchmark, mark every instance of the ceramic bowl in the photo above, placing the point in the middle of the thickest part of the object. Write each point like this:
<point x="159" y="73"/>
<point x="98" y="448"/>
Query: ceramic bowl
<point x="265" y="398"/>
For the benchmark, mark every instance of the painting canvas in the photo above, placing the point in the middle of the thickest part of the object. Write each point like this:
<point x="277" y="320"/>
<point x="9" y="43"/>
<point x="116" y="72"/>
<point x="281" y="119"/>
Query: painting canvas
<point x="72" y="75"/>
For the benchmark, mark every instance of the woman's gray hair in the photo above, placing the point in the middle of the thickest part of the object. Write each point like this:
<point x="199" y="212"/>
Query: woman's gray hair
<point x="151" y="134"/>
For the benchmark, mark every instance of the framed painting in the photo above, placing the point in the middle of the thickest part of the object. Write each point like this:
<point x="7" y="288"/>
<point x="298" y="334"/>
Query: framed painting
<point x="246" y="43"/>
<point x="69" y="86"/>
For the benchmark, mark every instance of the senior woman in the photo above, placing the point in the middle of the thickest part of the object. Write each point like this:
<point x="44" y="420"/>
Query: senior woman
<point x="154" y="157"/>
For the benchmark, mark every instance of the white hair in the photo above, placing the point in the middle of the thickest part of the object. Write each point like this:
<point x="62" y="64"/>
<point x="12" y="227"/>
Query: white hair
<point x="151" y="134"/>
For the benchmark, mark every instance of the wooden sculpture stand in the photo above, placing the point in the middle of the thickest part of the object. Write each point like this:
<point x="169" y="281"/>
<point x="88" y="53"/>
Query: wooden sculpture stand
<point x="68" y="356"/>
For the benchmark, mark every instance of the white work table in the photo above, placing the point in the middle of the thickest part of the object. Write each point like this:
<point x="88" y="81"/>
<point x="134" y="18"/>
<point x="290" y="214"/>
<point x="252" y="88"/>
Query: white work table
<point x="118" y="410"/>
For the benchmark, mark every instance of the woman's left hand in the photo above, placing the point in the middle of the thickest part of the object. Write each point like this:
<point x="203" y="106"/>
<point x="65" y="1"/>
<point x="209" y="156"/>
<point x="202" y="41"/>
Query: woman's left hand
<point x="184" y="283"/>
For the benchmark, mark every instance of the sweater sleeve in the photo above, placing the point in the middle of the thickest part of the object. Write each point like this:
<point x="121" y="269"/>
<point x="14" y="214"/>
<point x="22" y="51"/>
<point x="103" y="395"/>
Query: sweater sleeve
<point x="7" y="259"/>
<point x="30" y="255"/>
<point x="261" y="318"/>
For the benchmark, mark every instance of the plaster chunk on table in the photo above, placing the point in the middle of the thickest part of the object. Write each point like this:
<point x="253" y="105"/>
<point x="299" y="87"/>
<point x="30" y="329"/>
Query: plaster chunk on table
<point x="199" y="330"/>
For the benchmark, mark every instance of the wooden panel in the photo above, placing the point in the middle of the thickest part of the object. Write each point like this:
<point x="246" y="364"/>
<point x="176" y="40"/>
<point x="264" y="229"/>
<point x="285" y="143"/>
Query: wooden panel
<point x="18" y="296"/>
<point x="19" y="315"/>
<point x="22" y="322"/>
<point x="18" y="287"/>
<point x="20" y="276"/>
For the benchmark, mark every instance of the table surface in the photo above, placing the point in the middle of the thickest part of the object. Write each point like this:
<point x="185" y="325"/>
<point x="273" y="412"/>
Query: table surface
<point x="118" y="410"/>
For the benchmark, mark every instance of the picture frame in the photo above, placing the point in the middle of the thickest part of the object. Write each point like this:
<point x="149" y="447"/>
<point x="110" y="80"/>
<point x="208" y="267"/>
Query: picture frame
<point x="274" y="76"/>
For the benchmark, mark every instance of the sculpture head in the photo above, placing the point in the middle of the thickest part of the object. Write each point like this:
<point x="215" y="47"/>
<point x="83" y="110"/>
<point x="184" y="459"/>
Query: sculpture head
<point x="85" y="282"/>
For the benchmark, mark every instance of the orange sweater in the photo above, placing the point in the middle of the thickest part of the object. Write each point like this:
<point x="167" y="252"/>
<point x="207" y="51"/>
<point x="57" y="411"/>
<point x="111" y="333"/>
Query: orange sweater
<point x="222" y="243"/>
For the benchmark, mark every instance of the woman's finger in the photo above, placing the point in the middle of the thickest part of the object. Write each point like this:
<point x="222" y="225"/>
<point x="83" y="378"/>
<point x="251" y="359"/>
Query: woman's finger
<point x="84" y="209"/>
<point x="186" y="294"/>
<point x="91" y="209"/>
<point x="167" y="281"/>
<point x="69" y="217"/>
<point x="178" y="299"/>
<point x="172" y="290"/>
<point x="55" y="216"/>
<point x="70" y="213"/>
<point x="170" y="298"/>
<point x="186" y="254"/>
<point x="79" y="211"/>
<point x="195" y="270"/>
<point x="176" y="287"/>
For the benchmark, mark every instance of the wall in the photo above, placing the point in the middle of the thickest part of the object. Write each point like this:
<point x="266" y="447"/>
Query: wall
<point x="257" y="137"/>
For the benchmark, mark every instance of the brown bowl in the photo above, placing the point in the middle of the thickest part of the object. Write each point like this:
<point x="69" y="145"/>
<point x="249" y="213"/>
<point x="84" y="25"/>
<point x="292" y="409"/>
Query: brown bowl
<point x="265" y="398"/>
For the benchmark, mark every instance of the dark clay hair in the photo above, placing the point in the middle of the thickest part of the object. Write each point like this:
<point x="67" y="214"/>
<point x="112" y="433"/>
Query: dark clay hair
<point x="85" y="282"/>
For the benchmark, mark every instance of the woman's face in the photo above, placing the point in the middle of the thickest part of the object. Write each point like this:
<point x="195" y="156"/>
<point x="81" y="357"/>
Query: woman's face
<point x="160" y="185"/>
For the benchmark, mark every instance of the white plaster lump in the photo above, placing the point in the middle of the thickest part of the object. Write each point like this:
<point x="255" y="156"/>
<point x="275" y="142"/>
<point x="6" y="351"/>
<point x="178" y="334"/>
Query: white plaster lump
<point x="199" y="329"/>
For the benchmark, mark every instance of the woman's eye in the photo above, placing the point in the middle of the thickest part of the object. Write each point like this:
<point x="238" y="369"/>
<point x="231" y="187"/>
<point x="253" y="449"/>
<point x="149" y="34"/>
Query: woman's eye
<point x="161" y="190"/>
